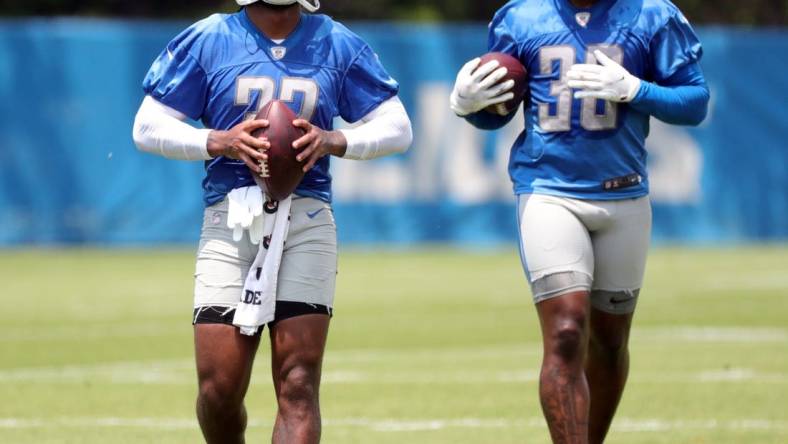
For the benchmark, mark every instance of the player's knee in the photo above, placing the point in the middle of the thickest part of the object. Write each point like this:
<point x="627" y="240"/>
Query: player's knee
<point x="299" y="386"/>
<point x="608" y="345"/>
<point x="219" y="395"/>
<point x="568" y="340"/>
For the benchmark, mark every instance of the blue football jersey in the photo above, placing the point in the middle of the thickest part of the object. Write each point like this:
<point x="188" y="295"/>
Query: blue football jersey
<point x="222" y="70"/>
<point x="590" y="148"/>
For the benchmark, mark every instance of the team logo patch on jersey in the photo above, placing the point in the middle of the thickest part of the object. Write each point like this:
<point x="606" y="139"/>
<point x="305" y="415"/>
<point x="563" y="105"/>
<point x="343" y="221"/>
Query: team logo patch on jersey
<point x="582" y="18"/>
<point x="278" y="52"/>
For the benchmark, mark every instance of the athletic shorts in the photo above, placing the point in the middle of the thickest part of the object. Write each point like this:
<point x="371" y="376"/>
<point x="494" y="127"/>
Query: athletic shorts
<point x="597" y="246"/>
<point x="307" y="274"/>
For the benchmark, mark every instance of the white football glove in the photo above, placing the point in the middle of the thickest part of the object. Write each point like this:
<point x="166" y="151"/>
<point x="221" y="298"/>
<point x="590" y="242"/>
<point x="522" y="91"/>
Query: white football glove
<point x="245" y="212"/>
<point x="607" y="81"/>
<point x="476" y="89"/>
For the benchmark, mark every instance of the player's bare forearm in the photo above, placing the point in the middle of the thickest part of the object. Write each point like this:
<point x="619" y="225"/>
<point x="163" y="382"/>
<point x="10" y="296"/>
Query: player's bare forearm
<point x="340" y="146"/>
<point x="238" y="143"/>
<point x="317" y="143"/>
<point x="217" y="143"/>
<point x="336" y="143"/>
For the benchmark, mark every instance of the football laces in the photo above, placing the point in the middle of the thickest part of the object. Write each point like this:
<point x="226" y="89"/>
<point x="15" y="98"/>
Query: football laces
<point x="264" y="173"/>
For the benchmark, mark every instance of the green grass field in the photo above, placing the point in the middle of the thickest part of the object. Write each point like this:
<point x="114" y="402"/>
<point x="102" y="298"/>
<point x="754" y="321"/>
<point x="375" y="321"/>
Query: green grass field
<point x="432" y="346"/>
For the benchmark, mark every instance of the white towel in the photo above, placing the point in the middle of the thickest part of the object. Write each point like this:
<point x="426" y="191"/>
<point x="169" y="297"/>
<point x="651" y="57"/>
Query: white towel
<point x="267" y="227"/>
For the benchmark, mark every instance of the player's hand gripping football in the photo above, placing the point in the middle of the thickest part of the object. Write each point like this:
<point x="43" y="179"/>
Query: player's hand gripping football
<point x="607" y="81"/>
<point x="477" y="87"/>
<point x="238" y="143"/>
<point x="317" y="143"/>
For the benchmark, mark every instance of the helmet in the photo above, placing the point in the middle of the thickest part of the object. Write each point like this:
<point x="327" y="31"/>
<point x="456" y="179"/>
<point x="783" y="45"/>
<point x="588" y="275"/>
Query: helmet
<point x="309" y="5"/>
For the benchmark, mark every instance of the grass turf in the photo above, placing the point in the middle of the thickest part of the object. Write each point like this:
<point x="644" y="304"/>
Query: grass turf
<point x="429" y="346"/>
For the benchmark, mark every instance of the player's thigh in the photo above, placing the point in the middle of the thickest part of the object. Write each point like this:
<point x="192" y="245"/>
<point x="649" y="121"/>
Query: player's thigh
<point x="222" y="264"/>
<point x="308" y="270"/>
<point x="555" y="246"/>
<point x="620" y="252"/>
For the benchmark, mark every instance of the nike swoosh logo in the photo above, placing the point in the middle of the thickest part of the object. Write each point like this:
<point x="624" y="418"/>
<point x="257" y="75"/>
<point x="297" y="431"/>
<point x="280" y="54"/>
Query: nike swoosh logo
<point x="312" y="214"/>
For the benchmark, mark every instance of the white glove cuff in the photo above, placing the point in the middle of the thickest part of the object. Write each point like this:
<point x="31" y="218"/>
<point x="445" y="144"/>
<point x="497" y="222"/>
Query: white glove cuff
<point x="634" y="88"/>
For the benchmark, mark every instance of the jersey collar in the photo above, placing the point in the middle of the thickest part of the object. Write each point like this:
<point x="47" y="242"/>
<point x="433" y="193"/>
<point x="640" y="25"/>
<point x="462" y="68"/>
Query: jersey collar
<point x="266" y="43"/>
<point x="583" y="17"/>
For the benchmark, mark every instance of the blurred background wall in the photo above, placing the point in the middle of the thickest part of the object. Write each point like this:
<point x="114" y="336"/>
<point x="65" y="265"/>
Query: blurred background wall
<point x="69" y="88"/>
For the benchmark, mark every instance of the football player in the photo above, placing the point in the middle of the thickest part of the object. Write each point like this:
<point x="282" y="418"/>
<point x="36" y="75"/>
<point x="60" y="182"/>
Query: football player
<point x="221" y="71"/>
<point x="597" y="71"/>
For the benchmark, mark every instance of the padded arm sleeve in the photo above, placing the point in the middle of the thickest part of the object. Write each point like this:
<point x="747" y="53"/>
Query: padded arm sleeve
<point x="161" y="130"/>
<point x="385" y="130"/>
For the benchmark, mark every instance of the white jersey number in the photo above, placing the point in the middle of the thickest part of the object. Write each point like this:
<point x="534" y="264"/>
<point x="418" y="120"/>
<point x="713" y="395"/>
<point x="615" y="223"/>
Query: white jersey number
<point x="561" y="120"/>
<point x="244" y="86"/>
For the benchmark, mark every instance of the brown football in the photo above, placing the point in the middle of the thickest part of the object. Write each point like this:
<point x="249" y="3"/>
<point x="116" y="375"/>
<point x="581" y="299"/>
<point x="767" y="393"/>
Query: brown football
<point x="281" y="172"/>
<point x="517" y="73"/>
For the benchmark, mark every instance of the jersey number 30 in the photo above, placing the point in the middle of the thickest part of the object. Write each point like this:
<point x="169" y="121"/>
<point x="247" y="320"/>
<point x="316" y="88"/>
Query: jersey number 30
<point x="266" y="86"/>
<point x="561" y="119"/>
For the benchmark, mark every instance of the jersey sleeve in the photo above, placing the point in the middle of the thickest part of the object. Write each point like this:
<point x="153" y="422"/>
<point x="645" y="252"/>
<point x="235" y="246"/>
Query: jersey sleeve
<point x="500" y="37"/>
<point x="365" y="86"/>
<point x="177" y="80"/>
<point x="674" y="46"/>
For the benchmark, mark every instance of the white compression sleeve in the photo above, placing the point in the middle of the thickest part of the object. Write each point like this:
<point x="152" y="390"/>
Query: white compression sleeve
<point x="386" y="130"/>
<point x="161" y="130"/>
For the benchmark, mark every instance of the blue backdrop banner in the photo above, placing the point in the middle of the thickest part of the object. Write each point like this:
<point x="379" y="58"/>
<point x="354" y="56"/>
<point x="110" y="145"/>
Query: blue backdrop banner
<point x="70" y="173"/>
